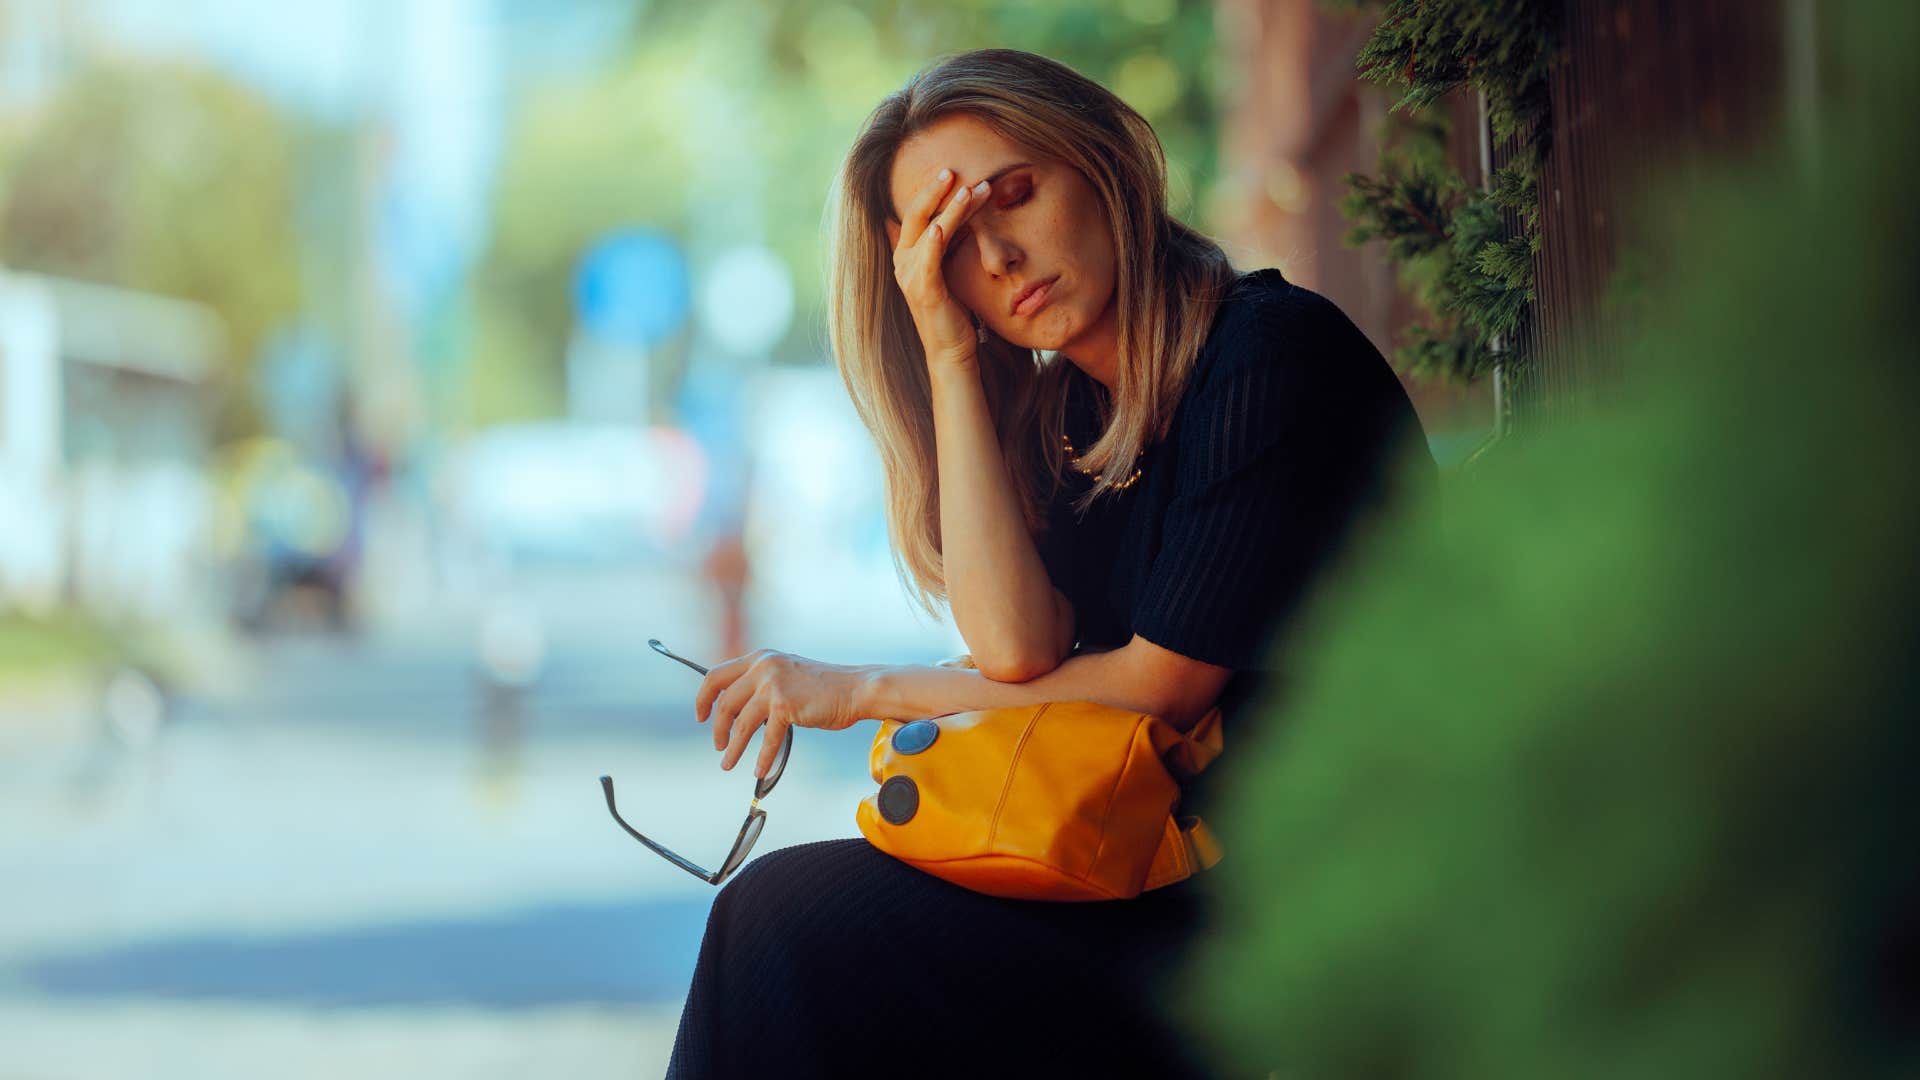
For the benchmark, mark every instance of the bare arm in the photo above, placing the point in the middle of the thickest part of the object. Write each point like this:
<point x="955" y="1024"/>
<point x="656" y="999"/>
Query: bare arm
<point x="1012" y="619"/>
<point x="1139" y="675"/>
<point x="1015" y="623"/>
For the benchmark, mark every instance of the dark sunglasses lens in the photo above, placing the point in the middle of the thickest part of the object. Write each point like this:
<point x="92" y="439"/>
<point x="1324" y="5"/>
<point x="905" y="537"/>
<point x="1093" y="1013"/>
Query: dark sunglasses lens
<point x="765" y="785"/>
<point x="744" y="845"/>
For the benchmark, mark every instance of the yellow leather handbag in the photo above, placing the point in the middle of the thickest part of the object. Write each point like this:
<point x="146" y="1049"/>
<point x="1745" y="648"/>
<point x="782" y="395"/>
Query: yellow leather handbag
<point x="1068" y="800"/>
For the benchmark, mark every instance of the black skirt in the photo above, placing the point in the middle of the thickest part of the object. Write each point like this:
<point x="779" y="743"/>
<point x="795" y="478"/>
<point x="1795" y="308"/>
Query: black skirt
<point x="835" y="959"/>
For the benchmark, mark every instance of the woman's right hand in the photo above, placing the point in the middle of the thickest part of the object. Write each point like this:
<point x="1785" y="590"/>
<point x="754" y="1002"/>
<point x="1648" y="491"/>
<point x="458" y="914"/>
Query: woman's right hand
<point x="919" y="256"/>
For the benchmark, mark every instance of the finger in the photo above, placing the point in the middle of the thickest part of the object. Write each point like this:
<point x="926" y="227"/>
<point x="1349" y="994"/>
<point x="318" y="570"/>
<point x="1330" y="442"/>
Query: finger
<point x="725" y="708"/>
<point x="962" y="206"/>
<point x="752" y="715"/>
<point x="718" y="678"/>
<point x="926" y="202"/>
<point x="770" y="741"/>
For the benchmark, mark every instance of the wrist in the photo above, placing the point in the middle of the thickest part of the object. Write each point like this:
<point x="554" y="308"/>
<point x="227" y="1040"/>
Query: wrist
<point x="873" y="692"/>
<point x="953" y="362"/>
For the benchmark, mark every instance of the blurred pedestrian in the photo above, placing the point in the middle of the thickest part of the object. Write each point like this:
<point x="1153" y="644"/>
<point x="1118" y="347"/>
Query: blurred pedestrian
<point x="727" y="568"/>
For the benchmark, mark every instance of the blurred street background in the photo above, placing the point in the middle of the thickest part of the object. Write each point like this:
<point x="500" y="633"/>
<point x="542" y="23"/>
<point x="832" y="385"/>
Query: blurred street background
<point x="375" y="379"/>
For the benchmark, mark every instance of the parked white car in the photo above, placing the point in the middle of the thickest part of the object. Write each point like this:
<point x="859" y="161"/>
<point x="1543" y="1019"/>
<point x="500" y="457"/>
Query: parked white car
<point x="570" y="492"/>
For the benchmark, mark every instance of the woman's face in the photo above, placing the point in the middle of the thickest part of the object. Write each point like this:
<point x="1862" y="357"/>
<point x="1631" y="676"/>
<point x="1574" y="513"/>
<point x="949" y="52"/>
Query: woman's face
<point x="1041" y="222"/>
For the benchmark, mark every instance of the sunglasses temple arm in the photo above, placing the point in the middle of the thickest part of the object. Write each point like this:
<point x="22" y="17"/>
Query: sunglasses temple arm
<point x="606" y="785"/>
<point x="671" y="655"/>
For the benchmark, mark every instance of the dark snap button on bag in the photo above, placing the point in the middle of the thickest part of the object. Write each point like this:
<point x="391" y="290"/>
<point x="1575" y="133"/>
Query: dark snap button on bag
<point x="899" y="800"/>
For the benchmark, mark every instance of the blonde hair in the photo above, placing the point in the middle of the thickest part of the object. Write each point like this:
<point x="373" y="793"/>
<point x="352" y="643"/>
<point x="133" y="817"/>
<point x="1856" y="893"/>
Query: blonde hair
<point x="1169" y="280"/>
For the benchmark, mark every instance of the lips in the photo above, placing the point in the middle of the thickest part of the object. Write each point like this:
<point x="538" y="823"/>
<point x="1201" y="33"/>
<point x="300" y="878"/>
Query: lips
<point x="1030" y="299"/>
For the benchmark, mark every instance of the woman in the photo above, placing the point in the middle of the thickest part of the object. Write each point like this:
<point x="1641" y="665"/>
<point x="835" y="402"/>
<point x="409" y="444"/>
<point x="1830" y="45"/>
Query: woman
<point x="1120" y="463"/>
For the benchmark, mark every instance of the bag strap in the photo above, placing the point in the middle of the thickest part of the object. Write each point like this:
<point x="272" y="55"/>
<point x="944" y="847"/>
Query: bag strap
<point x="1187" y="847"/>
<point x="1206" y="847"/>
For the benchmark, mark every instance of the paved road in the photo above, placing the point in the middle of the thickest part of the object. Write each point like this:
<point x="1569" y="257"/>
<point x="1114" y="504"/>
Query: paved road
<point x="361" y="861"/>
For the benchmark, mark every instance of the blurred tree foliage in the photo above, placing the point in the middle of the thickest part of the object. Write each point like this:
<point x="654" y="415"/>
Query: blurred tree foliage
<point x="729" y="119"/>
<point x="1450" y="240"/>
<point x="166" y="178"/>
<point x="36" y="648"/>
<point x="1645" y="807"/>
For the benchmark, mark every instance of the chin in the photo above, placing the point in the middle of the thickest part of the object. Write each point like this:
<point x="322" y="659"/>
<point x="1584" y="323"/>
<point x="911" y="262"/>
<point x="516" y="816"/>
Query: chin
<point x="1061" y="335"/>
<point x="1025" y="340"/>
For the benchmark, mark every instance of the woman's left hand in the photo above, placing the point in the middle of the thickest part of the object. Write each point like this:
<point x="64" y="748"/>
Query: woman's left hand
<point x="778" y="691"/>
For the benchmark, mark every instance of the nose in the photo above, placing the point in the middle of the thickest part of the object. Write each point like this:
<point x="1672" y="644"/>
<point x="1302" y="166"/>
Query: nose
<point x="998" y="255"/>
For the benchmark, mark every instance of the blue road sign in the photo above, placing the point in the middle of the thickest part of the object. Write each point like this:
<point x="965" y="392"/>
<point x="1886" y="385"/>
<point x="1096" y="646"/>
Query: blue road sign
<point x="632" y="288"/>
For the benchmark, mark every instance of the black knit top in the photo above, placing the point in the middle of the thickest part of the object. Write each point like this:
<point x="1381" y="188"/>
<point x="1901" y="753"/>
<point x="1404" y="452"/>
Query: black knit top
<point x="1288" y="428"/>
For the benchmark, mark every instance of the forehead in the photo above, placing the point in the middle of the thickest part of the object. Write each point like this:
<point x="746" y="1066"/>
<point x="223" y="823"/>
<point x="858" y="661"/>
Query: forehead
<point x="960" y="142"/>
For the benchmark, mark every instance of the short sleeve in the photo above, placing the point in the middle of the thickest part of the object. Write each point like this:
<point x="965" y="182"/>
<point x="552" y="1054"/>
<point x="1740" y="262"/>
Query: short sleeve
<point x="1269" y="478"/>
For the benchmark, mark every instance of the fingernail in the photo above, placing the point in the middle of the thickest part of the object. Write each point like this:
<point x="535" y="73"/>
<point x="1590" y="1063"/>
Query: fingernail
<point x="980" y="188"/>
<point x="946" y="174"/>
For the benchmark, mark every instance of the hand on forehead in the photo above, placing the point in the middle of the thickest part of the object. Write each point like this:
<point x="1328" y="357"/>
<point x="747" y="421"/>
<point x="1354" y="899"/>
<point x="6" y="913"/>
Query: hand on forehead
<point x="961" y="143"/>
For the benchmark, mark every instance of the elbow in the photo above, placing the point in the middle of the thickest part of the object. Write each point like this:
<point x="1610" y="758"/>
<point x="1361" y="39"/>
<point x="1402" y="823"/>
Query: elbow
<point x="1016" y="661"/>
<point x="1013" y="669"/>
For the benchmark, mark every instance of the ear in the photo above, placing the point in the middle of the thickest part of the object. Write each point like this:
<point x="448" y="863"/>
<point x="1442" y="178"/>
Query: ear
<point x="893" y="233"/>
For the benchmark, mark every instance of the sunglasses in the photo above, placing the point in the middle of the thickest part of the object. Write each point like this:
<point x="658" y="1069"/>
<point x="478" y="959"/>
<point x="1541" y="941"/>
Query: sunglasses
<point x="749" y="830"/>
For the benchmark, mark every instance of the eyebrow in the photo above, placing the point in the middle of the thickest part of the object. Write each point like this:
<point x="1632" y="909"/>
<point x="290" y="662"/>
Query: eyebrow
<point x="1004" y="170"/>
<point x="989" y="178"/>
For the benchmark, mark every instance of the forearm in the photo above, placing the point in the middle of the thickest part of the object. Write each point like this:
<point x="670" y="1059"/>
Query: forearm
<point x="1003" y="604"/>
<point x="906" y="692"/>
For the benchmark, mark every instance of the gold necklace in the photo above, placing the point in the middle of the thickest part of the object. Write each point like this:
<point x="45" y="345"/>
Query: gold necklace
<point x="1073" y="458"/>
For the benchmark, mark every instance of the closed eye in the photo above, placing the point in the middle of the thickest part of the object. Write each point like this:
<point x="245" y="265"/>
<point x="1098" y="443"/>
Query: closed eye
<point x="965" y="233"/>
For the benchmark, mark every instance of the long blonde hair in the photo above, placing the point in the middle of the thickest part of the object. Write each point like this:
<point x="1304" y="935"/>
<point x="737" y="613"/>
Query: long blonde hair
<point x="1169" y="280"/>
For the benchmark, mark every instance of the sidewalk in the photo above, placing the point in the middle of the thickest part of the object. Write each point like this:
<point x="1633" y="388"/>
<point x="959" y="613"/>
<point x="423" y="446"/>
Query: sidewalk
<point x="149" y="1040"/>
